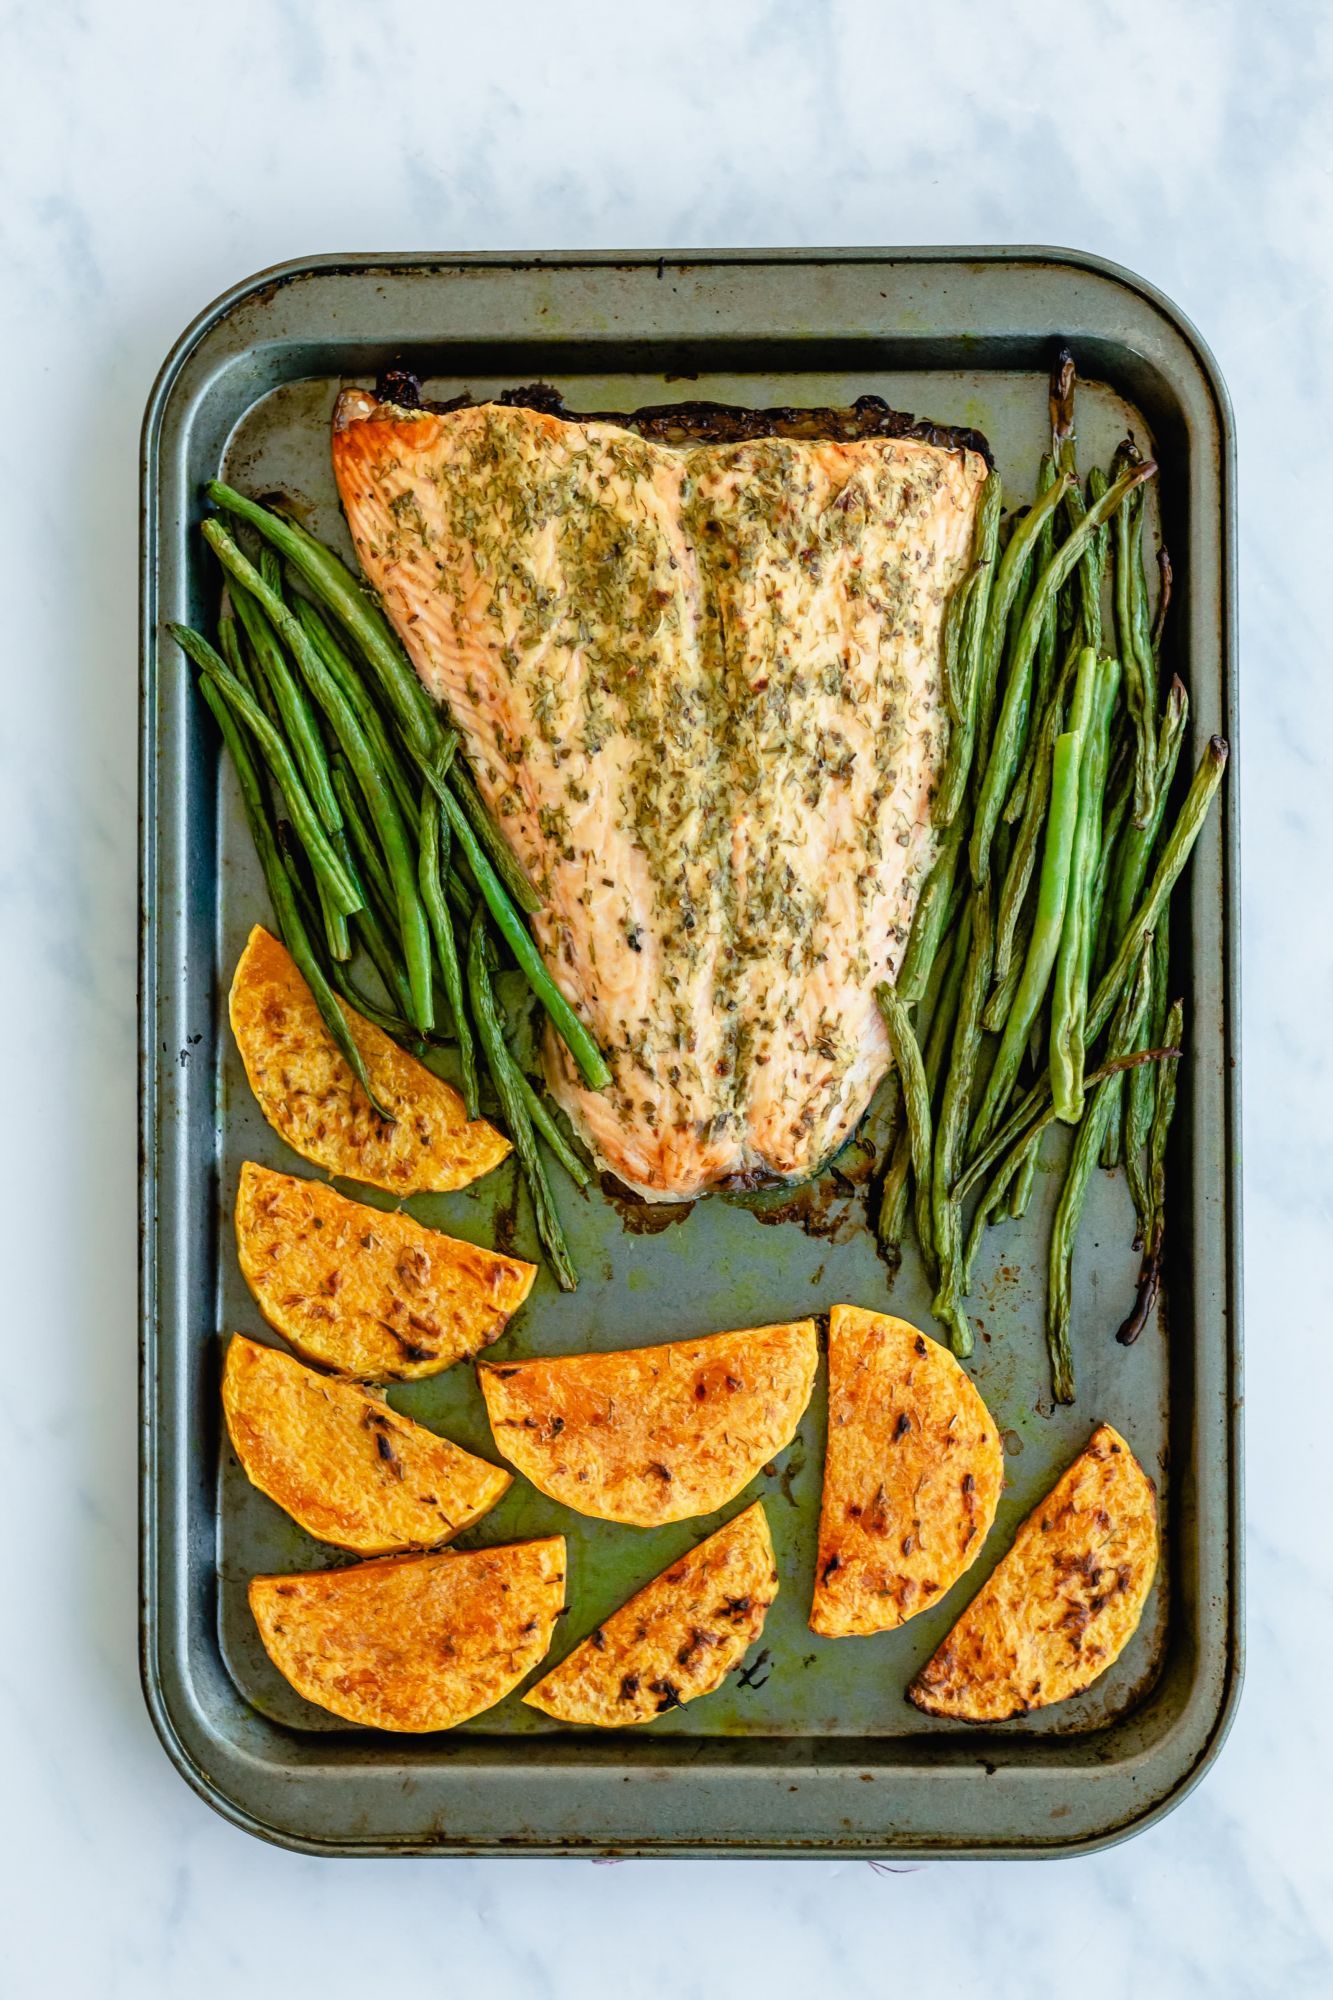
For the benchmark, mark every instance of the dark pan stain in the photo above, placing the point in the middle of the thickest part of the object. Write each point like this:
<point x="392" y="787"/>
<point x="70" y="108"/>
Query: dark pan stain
<point x="639" y="1217"/>
<point x="505" y="1218"/>
<point x="706" y="423"/>
<point x="825" y="1208"/>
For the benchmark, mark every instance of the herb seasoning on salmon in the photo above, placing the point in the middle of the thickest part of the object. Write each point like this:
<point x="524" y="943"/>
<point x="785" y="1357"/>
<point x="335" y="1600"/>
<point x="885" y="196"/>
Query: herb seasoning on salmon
<point x="699" y="686"/>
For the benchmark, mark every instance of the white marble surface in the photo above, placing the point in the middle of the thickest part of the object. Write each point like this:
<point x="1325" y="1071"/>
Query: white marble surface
<point x="152" y="154"/>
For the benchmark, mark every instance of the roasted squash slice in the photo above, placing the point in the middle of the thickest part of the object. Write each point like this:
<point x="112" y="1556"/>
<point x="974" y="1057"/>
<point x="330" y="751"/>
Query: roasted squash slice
<point x="1065" y="1601"/>
<point x="653" y="1434"/>
<point x="676" y="1639"/>
<point x="311" y="1098"/>
<point x="912" y="1475"/>
<point x="414" y="1642"/>
<point x="344" y="1465"/>
<point x="367" y="1293"/>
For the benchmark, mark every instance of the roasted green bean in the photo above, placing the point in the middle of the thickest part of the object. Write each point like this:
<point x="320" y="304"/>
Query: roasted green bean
<point x="1175" y="853"/>
<point x="281" y="894"/>
<point x="1137" y="842"/>
<point x="973" y="667"/>
<point x="1000" y="768"/>
<point x="951" y="1128"/>
<point x="434" y="869"/>
<point x="1053" y="896"/>
<point x="324" y="859"/>
<point x="916" y="1103"/>
<point x="1069" y="980"/>
<point x="1082" y="1161"/>
<point x="395" y="846"/>
<point x="504" y="1074"/>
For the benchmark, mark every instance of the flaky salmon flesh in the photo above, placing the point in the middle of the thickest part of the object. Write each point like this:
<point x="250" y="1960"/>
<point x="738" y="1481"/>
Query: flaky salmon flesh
<point x="700" y="689"/>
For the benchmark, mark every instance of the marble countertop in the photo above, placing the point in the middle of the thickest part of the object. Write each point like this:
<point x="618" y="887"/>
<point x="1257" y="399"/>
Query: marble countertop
<point x="149" y="157"/>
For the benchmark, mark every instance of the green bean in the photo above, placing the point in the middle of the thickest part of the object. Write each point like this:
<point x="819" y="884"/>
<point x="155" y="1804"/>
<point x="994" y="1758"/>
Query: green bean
<point x="1060" y="402"/>
<point x="461" y="898"/>
<point x="1053" y="896"/>
<point x="1119" y="795"/>
<point x="1010" y="1189"/>
<point x="1082" y="1160"/>
<point x="954" y="779"/>
<point x="500" y="854"/>
<point x="1064" y="381"/>
<point x="1010" y="576"/>
<point x="1115" y="812"/>
<point x="503" y="1069"/>
<point x="324" y="860"/>
<point x="1159" y="1131"/>
<point x="441" y="773"/>
<point x="1138" y="842"/>
<point x="1045" y="549"/>
<point x="592" y="1063"/>
<point x="1175" y="853"/>
<point x="370" y="929"/>
<point x="235" y="650"/>
<point x="336" y="934"/>
<point x="395" y="1025"/>
<point x="1113" y="1147"/>
<point x="1044" y="673"/>
<point x="1000" y="766"/>
<point x="916" y="1102"/>
<point x="1098" y="486"/>
<point x="1140" y="622"/>
<point x="955" y="619"/>
<point x="1125" y="1124"/>
<point x="229" y="645"/>
<point x="1069" y="981"/>
<point x="1142" y="1085"/>
<point x="941" y="1005"/>
<point x="1133" y="640"/>
<point x="393" y="1021"/>
<point x="1018" y="873"/>
<point x="1013" y="624"/>
<point x="951" y="1127"/>
<point x="1088" y="575"/>
<point x="320" y="634"/>
<point x="254" y="678"/>
<point x="1150" y="1271"/>
<point x="942" y="1013"/>
<point x="271" y="569"/>
<point x="282" y="895"/>
<point x="1003" y="1157"/>
<point x="930" y="919"/>
<point x="1024" y="1182"/>
<point x="545" y="1121"/>
<point x="432" y="758"/>
<point x="891" y="1197"/>
<point x="433" y="871"/>
<point x="336" y="587"/>
<point x="1004" y="991"/>
<point x="302" y="732"/>
<point x="387" y="1019"/>
<point x="1164" y="581"/>
<point x="399" y="853"/>
<point x="892" y="1212"/>
<point x="369" y="861"/>
<point x="1007" y="618"/>
<point x="375" y="922"/>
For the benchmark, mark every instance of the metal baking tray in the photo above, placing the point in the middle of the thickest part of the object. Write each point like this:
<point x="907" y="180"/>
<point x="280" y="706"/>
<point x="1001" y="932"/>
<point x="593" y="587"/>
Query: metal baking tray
<point x="812" y="1749"/>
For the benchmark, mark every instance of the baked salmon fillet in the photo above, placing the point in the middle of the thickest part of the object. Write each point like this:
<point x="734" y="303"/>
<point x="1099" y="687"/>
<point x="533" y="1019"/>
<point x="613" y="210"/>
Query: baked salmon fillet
<point x="699" y="685"/>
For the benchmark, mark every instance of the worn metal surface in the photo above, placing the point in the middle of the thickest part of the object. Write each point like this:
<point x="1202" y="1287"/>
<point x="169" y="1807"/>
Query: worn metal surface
<point x="813" y="1748"/>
